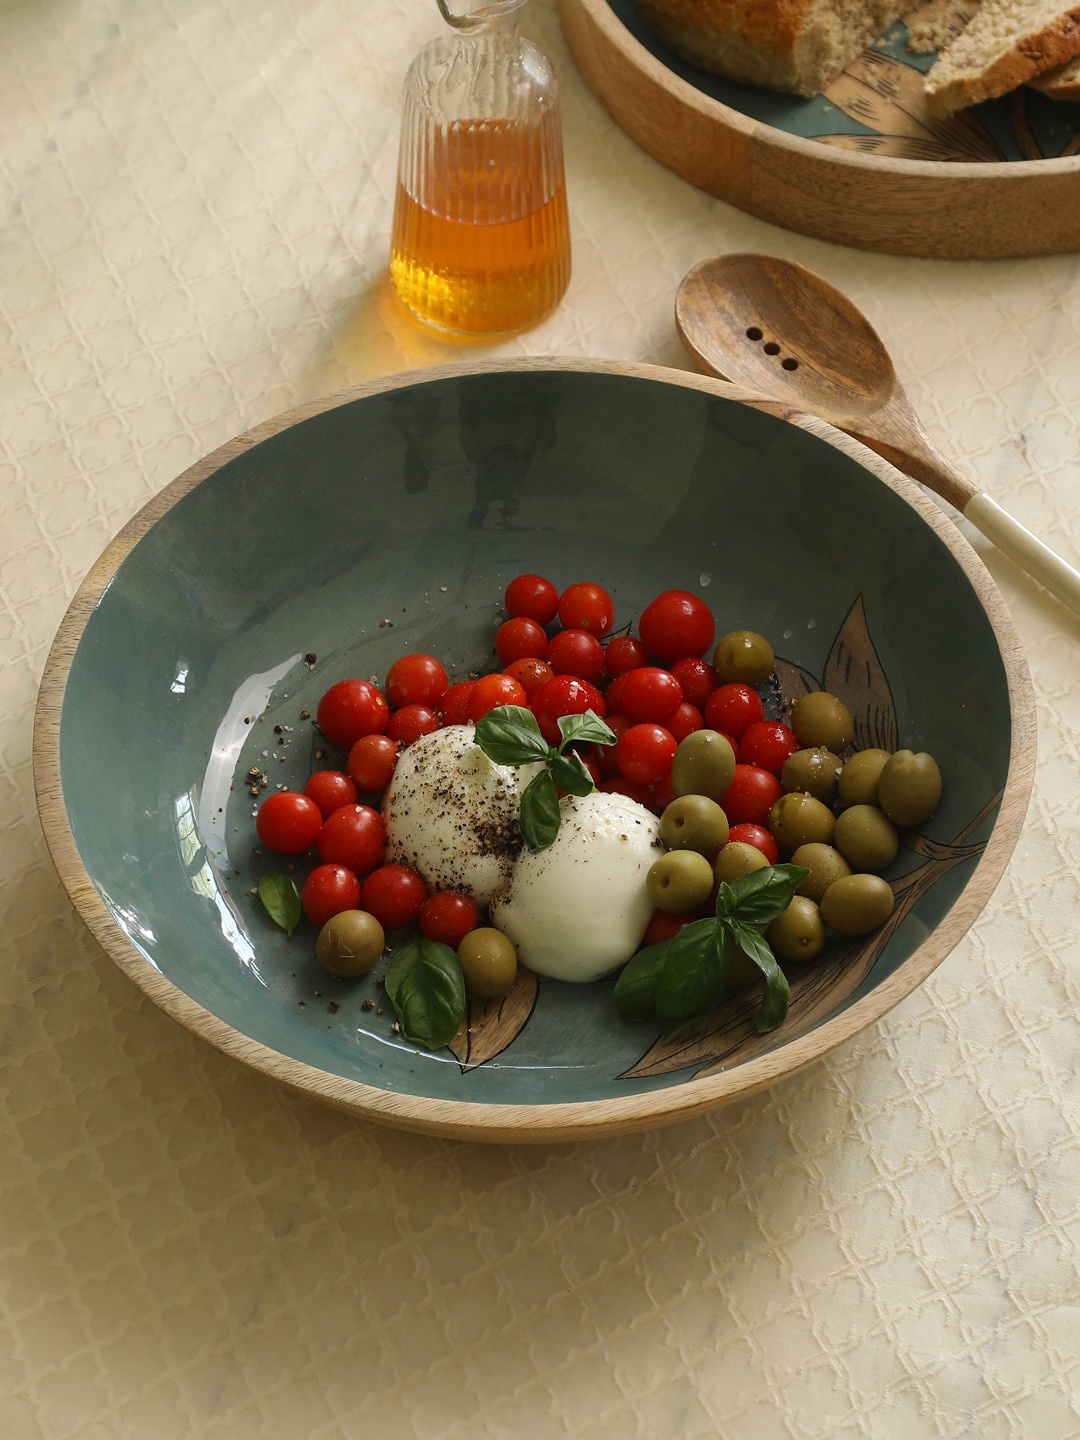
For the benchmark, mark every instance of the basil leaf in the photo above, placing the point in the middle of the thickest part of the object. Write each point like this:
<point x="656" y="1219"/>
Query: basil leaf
<point x="635" y="989"/>
<point x="540" y="814"/>
<point x="764" y="894"/>
<point x="280" y="899"/>
<point x="570" y="775"/>
<point x="585" y="727"/>
<point x="509" y="735"/>
<point x="774" y="1007"/>
<point x="427" y="990"/>
<point x="693" y="972"/>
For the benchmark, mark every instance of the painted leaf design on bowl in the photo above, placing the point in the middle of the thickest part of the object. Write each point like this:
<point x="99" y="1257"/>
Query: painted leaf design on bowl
<point x="854" y="672"/>
<point x="491" y="1025"/>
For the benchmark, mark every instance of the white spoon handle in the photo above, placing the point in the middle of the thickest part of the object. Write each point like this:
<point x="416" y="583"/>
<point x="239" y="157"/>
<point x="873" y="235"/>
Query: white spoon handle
<point x="1026" y="549"/>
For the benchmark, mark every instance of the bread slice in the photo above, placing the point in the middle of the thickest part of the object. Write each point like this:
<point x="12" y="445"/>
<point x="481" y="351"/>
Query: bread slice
<point x="799" y="46"/>
<point x="936" y="23"/>
<point x="1062" y="83"/>
<point x="1007" y="43"/>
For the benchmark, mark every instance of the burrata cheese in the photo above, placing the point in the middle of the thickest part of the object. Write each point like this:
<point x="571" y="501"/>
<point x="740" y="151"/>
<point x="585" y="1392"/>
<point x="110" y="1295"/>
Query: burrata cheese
<point x="452" y="814"/>
<point x="579" y="908"/>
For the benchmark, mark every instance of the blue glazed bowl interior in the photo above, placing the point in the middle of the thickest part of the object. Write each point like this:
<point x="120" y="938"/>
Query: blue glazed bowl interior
<point x="392" y="522"/>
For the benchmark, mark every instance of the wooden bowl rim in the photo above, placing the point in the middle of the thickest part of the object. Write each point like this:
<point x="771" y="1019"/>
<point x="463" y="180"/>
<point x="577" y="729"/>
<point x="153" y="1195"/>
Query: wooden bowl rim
<point x="531" y="1123"/>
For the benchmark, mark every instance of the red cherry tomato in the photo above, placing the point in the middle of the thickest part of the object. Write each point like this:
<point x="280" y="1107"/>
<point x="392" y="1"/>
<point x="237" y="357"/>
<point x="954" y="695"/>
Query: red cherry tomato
<point x="288" y="823"/>
<point x="520" y="638"/>
<point x="491" y="691"/>
<point x="732" y="708"/>
<point x="645" y="752"/>
<point x="751" y="795"/>
<point x="394" y="894"/>
<point x="585" y="606"/>
<point x="454" y="706"/>
<point x="761" y="839"/>
<point x="448" y="917"/>
<point x="606" y="756"/>
<point x="371" y="763"/>
<point x="613" y="695"/>
<point x="624" y="652"/>
<point x="410" y="722"/>
<point x="330" y="789"/>
<point x="329" y="890"/>
<point x="650" y="693"/>
<point x="676" y="625"/>
<point x="768" y="743"/>
<point x="620" y="785"/>
<point x="532" y="596"/>
<point x="663" y="793"/>
<point x="416" y="680"/>
<point x="697" y="678"/>
<point x="354" y="836"/>
<point x="576" y="652"/>
<point x="664" y="924"/>
<point x="352" y="708"/>
<point x="530" y="674"/>
<point x="564" y="695"/>
<point x="685" y="720"/>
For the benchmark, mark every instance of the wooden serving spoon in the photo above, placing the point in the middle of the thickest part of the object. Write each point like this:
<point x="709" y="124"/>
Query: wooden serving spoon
<point x="776" y="327"/>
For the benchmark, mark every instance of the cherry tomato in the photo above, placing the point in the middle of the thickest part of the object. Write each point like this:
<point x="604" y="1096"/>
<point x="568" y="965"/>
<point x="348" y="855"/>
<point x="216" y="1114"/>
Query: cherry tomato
<point x="520" y="638"/>
<point x="354" y="836"/>
<point x="576" y="652"/>
<point x="530" y="674"/>
<point x="645" y="752"/>
<point x="761" y="839"/>
<point x="685" y="720"/>
<point x="410" y="722"/>
<point x="614" y="694"/>
<point x="288" y="823"/>
<point x="768" y="743"/>
<point x="454" y="706"/>
<point x="448" y="917"/>
<point x="394" y="894"/>
<point x="564" y="695"/>
<point x="663" y="924"/>
<point x="732" y="708"/>
<point x="491" y="691"/>
<point x="697" y="678"/>
<point x="327" y="891"/>
<point x="662" y="794"/>
<point x="585" y="606"/>
<point x="352" y="708"/>
<point x="606" y="756"/>
<point x="416" y="680"/>
<point x="751" y="795"/>
<point x="624" y="652"/>
<point x="371" y="763"/>
<point x="650" y="693"/>
<point x="329" y="789"/>
<point x="676" y="625"/>
<point x="532" y="596"/>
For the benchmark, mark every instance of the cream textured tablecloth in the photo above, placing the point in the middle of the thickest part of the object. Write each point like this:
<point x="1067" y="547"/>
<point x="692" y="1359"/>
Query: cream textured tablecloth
<point x="196" y="205"/>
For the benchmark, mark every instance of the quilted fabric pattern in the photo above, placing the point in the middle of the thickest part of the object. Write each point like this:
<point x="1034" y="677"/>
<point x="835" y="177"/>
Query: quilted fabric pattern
<point x="196" y="206"/>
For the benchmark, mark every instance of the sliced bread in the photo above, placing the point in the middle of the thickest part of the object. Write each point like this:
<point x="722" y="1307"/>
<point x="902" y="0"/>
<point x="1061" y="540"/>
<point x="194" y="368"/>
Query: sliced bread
<point x="799" y="46"/>
<point x="936" y="23"/>
<point x="1007" y="43"/>
<point x="1062" y="83"/>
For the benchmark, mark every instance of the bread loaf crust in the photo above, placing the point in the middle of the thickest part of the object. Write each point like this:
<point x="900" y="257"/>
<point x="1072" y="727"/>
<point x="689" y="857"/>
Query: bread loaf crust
<point x="1032" y="55"/>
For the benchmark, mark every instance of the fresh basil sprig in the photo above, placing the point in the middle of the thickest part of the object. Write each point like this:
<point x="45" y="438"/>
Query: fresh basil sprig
<point x="677" y="981"/>
<point x="280" y="899"/>
<point x="426" y="987"/>
<point x="509" y="735"/>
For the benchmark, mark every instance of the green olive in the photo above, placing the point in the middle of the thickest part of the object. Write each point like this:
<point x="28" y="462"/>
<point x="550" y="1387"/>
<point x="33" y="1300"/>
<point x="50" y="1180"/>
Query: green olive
<point x="694" y="822"/>
<point x="735" y="859"/>
<point x="798" y="819"/>
<point x="859" y="777"/>
<point x="679" y="881"/>
<point x="350" y="943"/>
<point x="488" y="962"/>
<point x="825" y="864"/>
<point x="703" y="764"/>
<point x="910" y="787"/>
<point x="866" y="837"/>
<point x="817" y="771"/>
<point x="823" y="719"/>
<point x="857" y="904"/>
<point x="797" y="933"/>
<point x="743" y="655"/>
